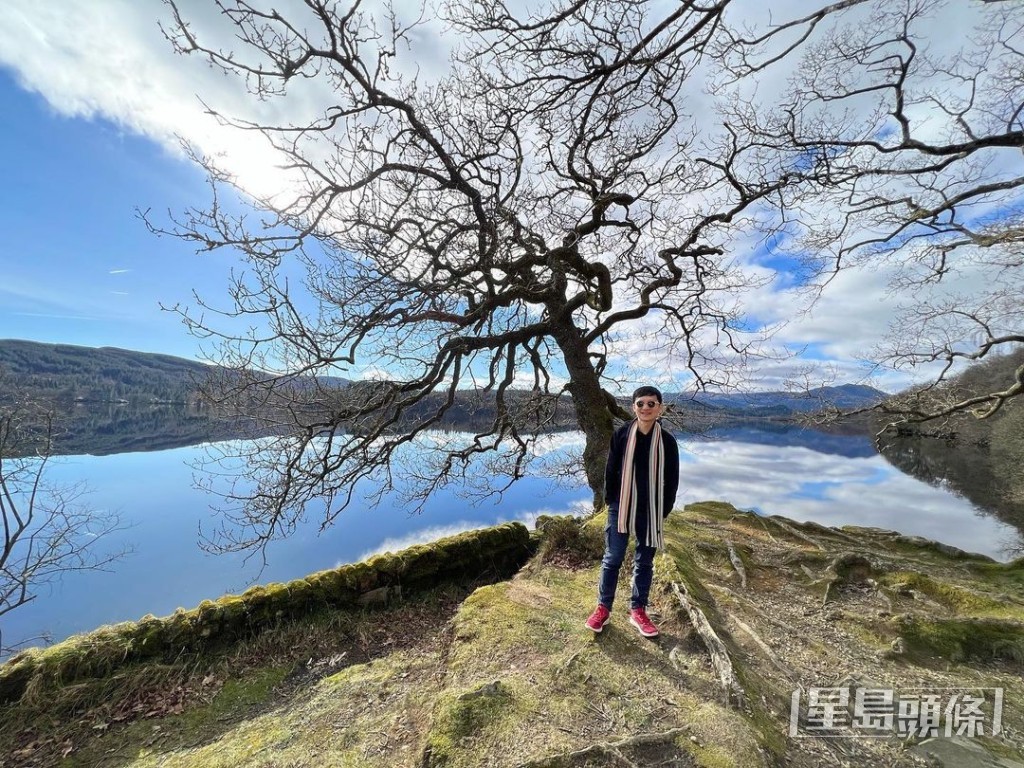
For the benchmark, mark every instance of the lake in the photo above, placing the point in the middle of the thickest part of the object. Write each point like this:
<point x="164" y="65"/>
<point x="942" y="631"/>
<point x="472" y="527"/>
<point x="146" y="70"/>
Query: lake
<point x="801" y="474"/>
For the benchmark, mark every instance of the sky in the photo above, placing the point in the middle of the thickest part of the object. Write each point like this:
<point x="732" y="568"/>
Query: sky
<point x="78" y="264"/>
<point x="94" y="101"/>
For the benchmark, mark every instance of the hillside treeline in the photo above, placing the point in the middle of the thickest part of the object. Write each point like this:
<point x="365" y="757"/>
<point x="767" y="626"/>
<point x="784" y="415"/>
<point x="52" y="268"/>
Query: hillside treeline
<point x="63" y="373"/>
<point x="983" y="459"/>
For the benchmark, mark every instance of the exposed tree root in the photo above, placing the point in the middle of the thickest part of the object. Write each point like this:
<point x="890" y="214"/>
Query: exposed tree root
<point x="737" y="563"/>
<point x="766" y="530"/>
<point x="789" y="629"/>
<point x="614" y="750"/>
<point x="766" y="649"/>
<point x="881" y="594"/>
<point x="796" y="534"/>
<point x="719" y="654"/>
<point x="835" y="533"/>
<point x="831" y="587"/>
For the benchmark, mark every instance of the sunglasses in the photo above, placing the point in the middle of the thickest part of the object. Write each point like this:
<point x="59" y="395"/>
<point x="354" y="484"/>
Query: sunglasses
<point x="647" y="403"/>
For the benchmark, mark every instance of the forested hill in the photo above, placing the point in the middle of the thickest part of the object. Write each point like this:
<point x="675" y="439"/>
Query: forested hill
<point x="844" y="397"/>
<point x="982" y="459"/>
<point x="105" y="374"/>
<point x="67" y="373"/>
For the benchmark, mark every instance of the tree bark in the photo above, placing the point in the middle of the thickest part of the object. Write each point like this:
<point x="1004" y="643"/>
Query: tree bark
<point x="591" y="404"/>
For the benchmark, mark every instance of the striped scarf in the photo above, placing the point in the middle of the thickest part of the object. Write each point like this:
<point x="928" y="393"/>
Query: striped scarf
<point x="656" y="488"/>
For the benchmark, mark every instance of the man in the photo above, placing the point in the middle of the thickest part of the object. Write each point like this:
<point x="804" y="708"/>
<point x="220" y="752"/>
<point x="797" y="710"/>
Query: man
<point x="640" y="484"/>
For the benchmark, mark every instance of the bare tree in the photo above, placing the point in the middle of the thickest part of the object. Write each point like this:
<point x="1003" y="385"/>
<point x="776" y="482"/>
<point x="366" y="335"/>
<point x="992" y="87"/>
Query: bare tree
<point x="508" y="225"/>
<point x="914" y="144"/>
<point x="48" y="529"/>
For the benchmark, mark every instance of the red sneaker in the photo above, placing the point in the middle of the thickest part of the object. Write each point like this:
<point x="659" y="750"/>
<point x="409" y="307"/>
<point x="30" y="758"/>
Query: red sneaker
<point x="638" y="618"/>
<point x="599" y="618"/>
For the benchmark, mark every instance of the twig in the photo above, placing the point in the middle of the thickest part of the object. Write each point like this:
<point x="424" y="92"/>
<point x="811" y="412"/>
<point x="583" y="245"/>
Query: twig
<point x="794" y="532"/>
<point x="780" y="665"/>
<point x="791" y="631"/>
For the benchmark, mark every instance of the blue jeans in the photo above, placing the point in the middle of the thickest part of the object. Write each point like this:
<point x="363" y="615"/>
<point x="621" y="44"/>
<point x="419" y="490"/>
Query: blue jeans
<point x="615" y="545"/>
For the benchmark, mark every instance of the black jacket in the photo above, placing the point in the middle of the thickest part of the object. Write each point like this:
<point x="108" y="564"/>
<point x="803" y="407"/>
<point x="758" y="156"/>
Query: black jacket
<point x="641" y="457"/>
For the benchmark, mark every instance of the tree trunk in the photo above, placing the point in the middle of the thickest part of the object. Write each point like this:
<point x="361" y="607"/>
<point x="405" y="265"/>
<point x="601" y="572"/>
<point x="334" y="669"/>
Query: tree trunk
<point x="590" y="401"/>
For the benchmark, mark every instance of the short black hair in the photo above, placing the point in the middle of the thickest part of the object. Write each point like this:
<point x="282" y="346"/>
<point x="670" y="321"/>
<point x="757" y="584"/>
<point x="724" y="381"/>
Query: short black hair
<point x="647" y="390"/>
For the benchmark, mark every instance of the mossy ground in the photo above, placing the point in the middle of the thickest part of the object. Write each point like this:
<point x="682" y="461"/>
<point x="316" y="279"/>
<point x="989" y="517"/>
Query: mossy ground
<point x="149" y="714"/>
<point x="506" y="675"/>
<point x="851" y="607"/>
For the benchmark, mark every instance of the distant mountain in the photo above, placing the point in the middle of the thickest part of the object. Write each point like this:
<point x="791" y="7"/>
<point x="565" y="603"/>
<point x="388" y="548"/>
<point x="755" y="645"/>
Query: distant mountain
<point x="106" y="374"/>
<point x="846" y="397"/>
<point x="109" y="400"/>
<point x="789" y="435"/>
<point x="111" y="397"/>
<point x="67" y="373"/>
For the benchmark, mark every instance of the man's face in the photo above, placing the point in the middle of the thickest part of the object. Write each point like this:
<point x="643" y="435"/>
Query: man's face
<point x="647" y="409"/>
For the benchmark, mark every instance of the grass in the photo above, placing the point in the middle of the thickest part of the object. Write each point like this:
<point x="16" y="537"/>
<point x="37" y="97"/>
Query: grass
<point x="505" y="674"/>
<point x="214" y="624"/>
<point x="118" y="712"/>
<point x="963" y="601"/>
<point x="959" y="640"/>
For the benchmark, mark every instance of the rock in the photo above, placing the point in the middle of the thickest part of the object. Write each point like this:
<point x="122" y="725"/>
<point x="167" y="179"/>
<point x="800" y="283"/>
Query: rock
<point x="959" y="752"/>
<point x="380" y="596"/>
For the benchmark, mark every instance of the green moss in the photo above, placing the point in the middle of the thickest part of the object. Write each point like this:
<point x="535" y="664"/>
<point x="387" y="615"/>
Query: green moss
<point x="758" y="691"/>
<point x="963" y="601"/>
<point x="874" y="632"/>
<point x="236" y="697"/>
<point x="718" y="510"/>
<point x="960" y="640"/>
<point x="174" y="741"/>
<point x="467" y="715"/>
<point x="518" y="680"/>
<point x="497" y="551"/>
<point x="713" y="756"/>
<point x="510" y="619"/>
<point x="1004" y="574"/>
<point x="251" y="743"/>
<point x="596" y="522"/>
<point x="566" y="538"/>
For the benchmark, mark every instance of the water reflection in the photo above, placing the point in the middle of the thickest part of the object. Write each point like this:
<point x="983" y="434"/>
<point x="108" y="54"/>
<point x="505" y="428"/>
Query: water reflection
<point x="991" y="483"/>
<point x="805" y="475"/>
<point x="838" y="488"/>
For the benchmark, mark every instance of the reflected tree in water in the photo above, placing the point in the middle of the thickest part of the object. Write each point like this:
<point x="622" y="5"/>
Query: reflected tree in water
<point x="581" y="187"/>
<point x="49" y="530"/>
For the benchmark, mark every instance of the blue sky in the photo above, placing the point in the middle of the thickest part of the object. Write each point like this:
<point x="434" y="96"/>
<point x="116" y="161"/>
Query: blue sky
<point x="78" y="265"/>
<point x="90" y="134"/>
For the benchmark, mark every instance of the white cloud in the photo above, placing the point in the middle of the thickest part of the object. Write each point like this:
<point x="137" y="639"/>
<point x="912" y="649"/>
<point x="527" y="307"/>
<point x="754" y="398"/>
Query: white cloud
<point x="108" y="59"/>
<point x="422" y="536"/>
<point x="802" y="484"/>
<point x="29" y="297"/>
<point x="55" y="316"/>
